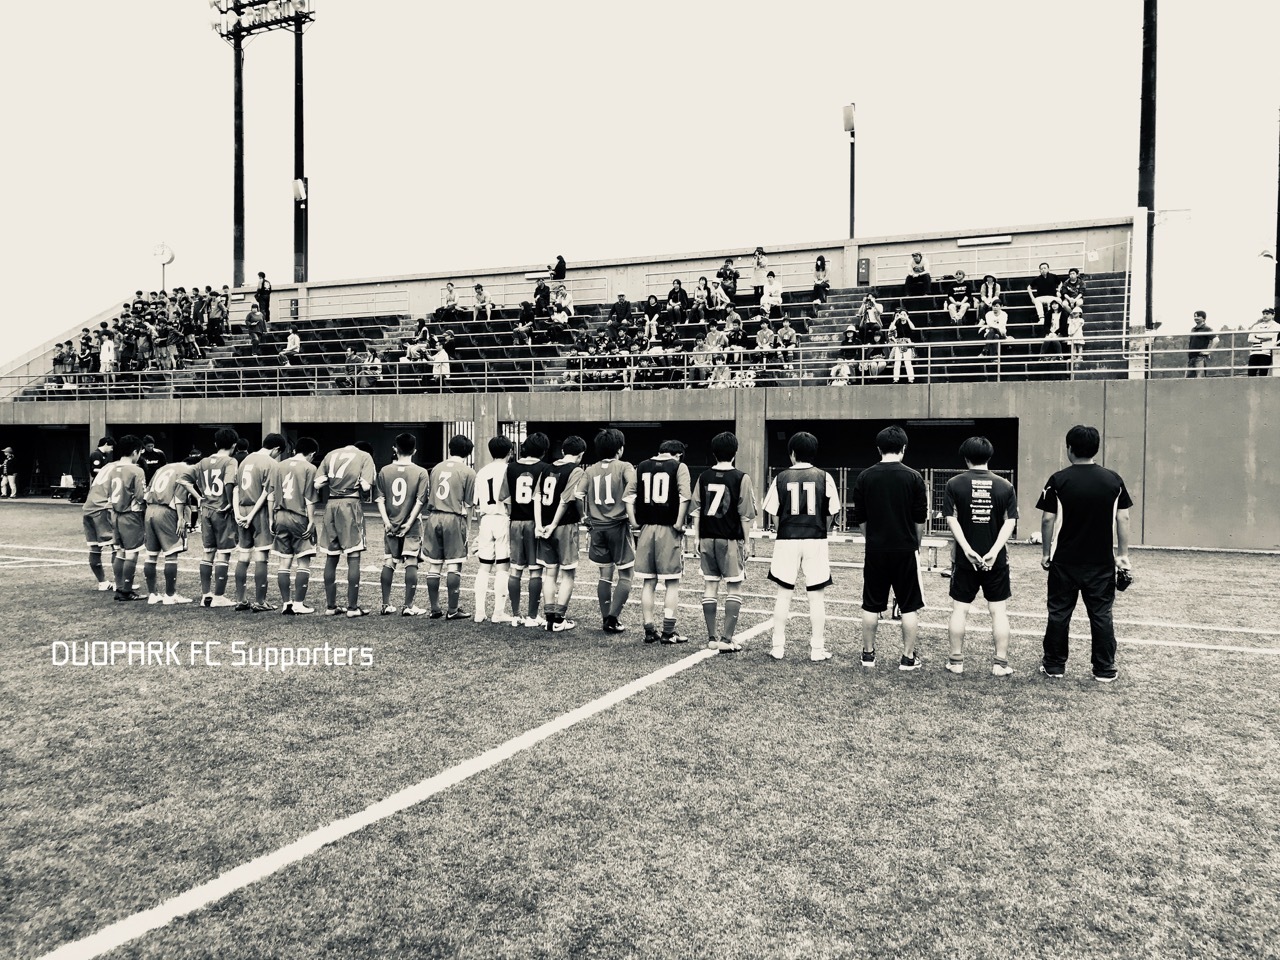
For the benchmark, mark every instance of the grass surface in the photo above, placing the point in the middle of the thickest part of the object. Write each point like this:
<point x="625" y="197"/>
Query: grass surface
<point x="741" y="808"/>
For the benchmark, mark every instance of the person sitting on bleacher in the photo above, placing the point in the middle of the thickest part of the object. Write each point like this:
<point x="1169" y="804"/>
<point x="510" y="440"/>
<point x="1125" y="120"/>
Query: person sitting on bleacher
<point x="370" y="369"/>
<point x="483" y="305"/>
<point x="652" y="311"/>
<point x="717" y="338"/>
<point x="677" y="301"/>
<point x="728" y="278"/>
<point x="870" y="309"/>
<point x="558" y="325"/>
<point x="700" y="307"/>
<point x="850" y="343"/>
<point x="1044" y="290"/>
<point x="542" y="298"/>
<point x="959" y="295"/>
<point x="869" y="326"/>
<point x="875" y="356"/>
<point x="918" y="279"/>
<point x="988" y="293"/>
<point x="292" y="352"/>
<point x="788" y="344"/>
<point x="1056" y="321"/>
<point x="619" y="312"/>
<point x="449" y="309"/>
<point x="1072" y="290"/>
<point x="720" y="376"/>
<point x="841" y="373"/>
<point x="416" y="351"/>
<point x="721" y="301"/>
<point x="766" y="339"/>
<point x="522" y="326"/>
<point x="771" y="297"/>
<point x="821" y="285"/>
<point x="562" y="298"/>
<point x="993" y="328"/>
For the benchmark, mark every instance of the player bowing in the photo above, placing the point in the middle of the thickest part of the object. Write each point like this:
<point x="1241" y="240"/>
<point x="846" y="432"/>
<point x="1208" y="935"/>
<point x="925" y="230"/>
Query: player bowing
<point x="453" y="487"/>
<point x="401" y="492"/>
<point x="291" y="499"/>
<point x="172" y="487"/>
<point x="724" y="505"/>
<point x="663" y="491"/>
<point x="558" y="541"/>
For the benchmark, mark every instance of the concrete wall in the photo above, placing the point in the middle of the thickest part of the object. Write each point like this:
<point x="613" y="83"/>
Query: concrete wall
<point x="1201" y="457"/>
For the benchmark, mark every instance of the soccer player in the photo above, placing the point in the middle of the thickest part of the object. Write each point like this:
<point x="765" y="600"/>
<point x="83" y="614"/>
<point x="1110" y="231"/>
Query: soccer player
<point x="254" y="520"/>
<point x="558" y="540"/>
<point x="291" y="499"/>
<point x="981" y="509"/>
<point x="126" y="489"/>
<point x="663" y="491"/>
<point x="493" y="549"/>
<point x="347" y="474"/>
<point x="608" y="493"/>
<point x="453" y="488"/>
<point x="171" y="489"/>
<point x="216" y="482"/>
<point x="891" y="503"/>
<point x="401" y="492"/>
<point x="524" y="481"/>
<point x="98" y="532"/>
<point x="806" y="502"/>
<point x="724" y="505"/>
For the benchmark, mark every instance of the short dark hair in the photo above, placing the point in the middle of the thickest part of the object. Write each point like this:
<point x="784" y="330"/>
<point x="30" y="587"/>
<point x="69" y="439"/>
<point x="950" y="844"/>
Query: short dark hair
<point x="674" y="447"/>
<point x="535" y="445"/>
<point x="106" y="441"/>
<point x="1201" y="314"/>
<point x="499" y="447"/>
<point x="1045" y="265"/>
<point x="364" y="445"/>
<point x="242" y="444"/>
<point x="1083" y="441"/>
<point x="224" y="438"/>
<point x="724" y="447"/>
<point x="406" y="443"/>
<point x="276" y="441"/>
<point x="804" y="446"/>
<point x="148" y="439"/>
<point x="306" y="445"/>
<point x="891" y="439"/>
<point x="194" y="457"/>
<point x="609" y="442"/>
<point x="127" y="444"/>
<point x="461" y="446"/>
<point x="573" y="445"/>
<point x="977" y="450"/>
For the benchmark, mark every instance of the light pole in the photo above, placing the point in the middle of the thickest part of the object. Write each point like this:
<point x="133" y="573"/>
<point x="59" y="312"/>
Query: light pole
<point x="848" y="126"/>
<point x="235" y="20"/>
<point x="1147" y="144"/>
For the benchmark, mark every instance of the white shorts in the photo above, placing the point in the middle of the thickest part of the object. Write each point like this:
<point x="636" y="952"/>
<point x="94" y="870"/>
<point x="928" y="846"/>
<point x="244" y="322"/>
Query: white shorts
<point x="494" y="539"/>
<point x="792" y="556"/>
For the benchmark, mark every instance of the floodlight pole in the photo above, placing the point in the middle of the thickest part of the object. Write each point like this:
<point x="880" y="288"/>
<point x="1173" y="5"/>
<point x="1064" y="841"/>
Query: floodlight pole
<point x="237" y="188"/>
<point x="1276" y="249"/>
<point x="1147" y="144"/>
<point x="299" y="202"/>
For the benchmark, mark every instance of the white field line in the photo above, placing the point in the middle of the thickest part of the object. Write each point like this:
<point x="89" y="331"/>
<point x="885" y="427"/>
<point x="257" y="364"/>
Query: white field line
<point x="130" y="928"/>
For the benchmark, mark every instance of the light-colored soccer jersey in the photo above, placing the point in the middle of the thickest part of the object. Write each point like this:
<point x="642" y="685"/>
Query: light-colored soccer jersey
<point x="97" y="497"/>
<point x="126" y="486"/>
<point x="216" y="481"/>
<point x="492" y="495"/>
<point x="453" y="487"/>
<point x="343" y="469"/>
<point x="293" y="486"/>
<point x="400" y="487"/>
<point x="163" y="491"/>
<point x="255" y="476"/>
<point x="605" y="489"/>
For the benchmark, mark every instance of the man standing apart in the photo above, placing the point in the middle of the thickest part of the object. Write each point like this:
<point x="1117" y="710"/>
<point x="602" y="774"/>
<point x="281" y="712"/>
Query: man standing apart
<point x="253" y="517"/>
<point x="724" y="504"/>
<point x="263" y="296"/>
<point x="558" y="540"/>
<point x="347" y="473"/>
<point x="452" y="490"/>
<point x="663" y="491"/>
<point x="402" y="489"/>
<point x="890" y="503"/>
<point x="1081" y="506"/>
<point x="981" y="510"/>
<point x="493" y="547"/>
<point x="1201" y="341"/>
<point x="806" y="502"/>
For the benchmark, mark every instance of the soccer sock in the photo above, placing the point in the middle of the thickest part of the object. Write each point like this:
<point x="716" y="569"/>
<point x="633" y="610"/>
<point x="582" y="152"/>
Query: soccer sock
<point x="130" y="568"/>
<point x="117" y="569"/>
<point x="388" y="573"/>
<point x="482" y="588"/>
<point x="242" y="576"/>
<point x="670" y="604"/>
<point x="781" y="607"/>
<point x="206" y="577"/>
<point x="604" y="594"/>
<point x="433" y="589"/>
<point x="95" y="564"/>
<point x="410" y="583"/>
<point x="818" y="620"/>
<point x="171" y="576"/>
<point x="513" y="593"/>
<point x="260" y="581"/>
<point x="331" y="586"/>
<point x="353" y="581"/>
<point x="620" y="593"/>
<point x="732" y="607"/>
<point x="453" y="586"/>
<point x="220" y="577"/>
<point x="149" y="574"/>
<point x="668" y="623"/>
<point x="535" y="595"/>
<point x="648" y="591"/>
<point x="564" y="594"/>
<point x="501" y="574"/>
<point x="300" y="582"/>
<point x="282" y="581"/>
<point x="709" y="613"/>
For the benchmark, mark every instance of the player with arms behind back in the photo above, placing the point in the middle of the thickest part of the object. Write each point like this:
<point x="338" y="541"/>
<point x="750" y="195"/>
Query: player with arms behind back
<point x="663" y="491"/>
<point x="524" y="481"/>
<point x="493" y="540"/>
<point x="558" y="540"/>
<point x="724" y="505"/>
<point x="453" y="488"/>
<point x="171" y="489"/>
<point x="98" y="532"/>
<point x="608" y="492"/>
<point x="400" y="493"/>
<point x="292" y="498"/>
<point x="806" y="502"/>
<point x="216" y="481"/>
<point x="254" y="520"/>
<point x="126" y="489"/>
<point x="347" y="474"/>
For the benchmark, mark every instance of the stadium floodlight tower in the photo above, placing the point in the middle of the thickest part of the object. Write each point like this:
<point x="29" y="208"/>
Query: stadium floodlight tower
<point x="235" y="21"/>
<point x="848" y="126"/>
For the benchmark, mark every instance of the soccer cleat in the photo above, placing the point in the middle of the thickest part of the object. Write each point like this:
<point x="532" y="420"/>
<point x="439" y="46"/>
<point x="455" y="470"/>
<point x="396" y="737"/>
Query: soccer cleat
<point x="517" y="621"/>
<point x="334" y="611"/>
<point x="953" y="667"/>
<point x="127" y="595"/>
<point x="153" y="599"/>
<point x="1103" y="678"/>
<point x="458" y="614"/>
<point x="611" y="625"/>
<point x="868" y="658"/>
<point x="674" y="638"/>
<point x="176" y="599"/>
<point x="777" y="652"/>
<point x="817" y="656"/>
<point x="910" y="663"/>
<point x="301" y="609"/>
<point x="1053" y="676"/>
<point x="561" y="626"/>
<point x="479" y="617"/>
<point x="1001" y="670"/>
<point x="535" y="622"/>
<point x="650" y="634"/>
<point x="257" y="607"/>
<point x="207" y="600"/>
<point x="357" y="612"/>
<point x="286" y="610"/>
<point x="436" y="614"/>
<point x="243" y="606"/>
<point x="104" y="586"/>
<point x="221" y="602"/>
<point x="724" y="646"/>
<point x="387" y="610"/>
<point x="414" y="611"/>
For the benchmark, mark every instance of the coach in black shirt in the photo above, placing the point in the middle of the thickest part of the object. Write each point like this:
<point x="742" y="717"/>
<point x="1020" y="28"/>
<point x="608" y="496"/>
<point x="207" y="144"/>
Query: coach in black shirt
<point x="1082" y="504"/>
<point x="151" y="459"/>
<point x="101" y="457"/>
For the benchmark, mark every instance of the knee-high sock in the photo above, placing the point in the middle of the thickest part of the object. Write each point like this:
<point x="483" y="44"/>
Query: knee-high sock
<point x="781" y="607"/>
<point x="95" y="564"/>
<point x="300" y="582"/>
<point x="283" y="582"/>
<point x="171" y="576"/>
<point x="117" y="570"/>
<point x="501" y="575"/>
<point x="149" y="574"/>
<point x="353" y="581"/>
<point x="206" y="577"/>
<point x="220" y="577"/>
<point x="604" y="594"/>
<point x="410" y="583"/>
<point x="260" y="579"/>
<point x="331" y="583"/>
<point x="732" y="607"/>
<point x="130" y="567"/>
<point x="513" y="593"/>
<point x="818" y="620"/>
<point x="709" y="614"/>
<point x="535" y="593"/>
<point x="620" y="593"/>
<point x="433" y="589"/>
<point x="648" y="598"/>
<point x="670" y="604"/>
<point x="388" y="574"/>
<point x="564" y="593"/>
<point x="242" y="578"/>
<point x="453" y="584"/>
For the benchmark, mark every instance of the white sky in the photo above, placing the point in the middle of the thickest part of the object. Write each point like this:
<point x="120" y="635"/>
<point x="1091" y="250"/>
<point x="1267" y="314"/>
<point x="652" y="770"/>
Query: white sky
<point x="486" y="134"/>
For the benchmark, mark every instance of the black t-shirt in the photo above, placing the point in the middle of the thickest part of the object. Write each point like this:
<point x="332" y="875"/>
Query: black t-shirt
<point x="150" y="461"/>
<point x="524" y="480"/>
<point x="1085" y="496"/>
<point x="960" y="291"/>
<point x="97" y="461"/>
<point x="981" y="502"/>
<point x="890" y="498"/>
<point x="1046" y="286"/>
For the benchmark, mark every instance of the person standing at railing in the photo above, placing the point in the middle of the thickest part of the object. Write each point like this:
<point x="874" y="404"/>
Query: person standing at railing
<point x="1262" y="343"/>
<point x="559" y="269"/>
<point x="904" y="335"/>
<point x="759" y="265"/>
<point x="107" y="357"/>
<point x="217" y="313"/>
<point x="1075" y="335"/>
<point x="1201" y="341"/>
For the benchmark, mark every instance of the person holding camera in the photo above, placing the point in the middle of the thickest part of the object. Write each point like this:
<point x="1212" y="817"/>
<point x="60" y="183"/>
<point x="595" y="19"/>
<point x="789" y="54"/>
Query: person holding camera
<point x="1081" y="506"/>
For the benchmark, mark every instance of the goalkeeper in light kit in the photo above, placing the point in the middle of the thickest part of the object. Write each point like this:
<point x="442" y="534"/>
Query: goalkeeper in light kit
<point x="401" y="494"/>
<point x="724" y="505"/>
<point x="493" y="541"/>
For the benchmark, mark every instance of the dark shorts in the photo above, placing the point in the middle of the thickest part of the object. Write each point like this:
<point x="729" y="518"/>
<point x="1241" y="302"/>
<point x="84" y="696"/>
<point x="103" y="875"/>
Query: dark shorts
<point x="965" y="581"/>
<point x="290" y="541"/>
<point x="257" y="535"/>
<point x="896" y="571"/>
<point x="659" y="553"/>
<point x="524" y="544"/>
<point x="98" y="529"/>
<point x="561" y="548"/>
<point x="128" y="531"/>
<point x="446" y="537"/>
<point x="218" y="530"/>
<point x="612" y="546"/>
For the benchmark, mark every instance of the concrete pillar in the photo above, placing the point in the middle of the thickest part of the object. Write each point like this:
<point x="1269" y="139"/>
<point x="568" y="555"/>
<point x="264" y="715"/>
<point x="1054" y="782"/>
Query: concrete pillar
<point x="97" y="422"/>
<point x="753" y="437"/>
<point x="271" y="417"/>
<point x="486" y="420"/>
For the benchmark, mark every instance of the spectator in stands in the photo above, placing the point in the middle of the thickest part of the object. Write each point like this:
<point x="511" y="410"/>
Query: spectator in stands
<point x="483" y="304"/>
<point x="841" y="373"/>
<point x="870" y="310"/>
<point x="903" y="334"/>
<point x="771" y="297"/>
<point x="558" y="269"/>
<point x="561" y="297"/>
<point x="417" y="350"/>
<point x="668" y="339"/>
<point x="875" y="354"/>
<point x="8" y="474"/>
<point x="700" y="307"/>
<point x="758" y="268"/>
<point x="1199" y="345"/>
<point x="788" y="344"/>
<point x="993" y="328"/>
<point x="821" y="285"/>
<point x="850" y="343"/>
<point x="959" y="296"/>
<point x="720" y="374"/>
<point x="558" y="325"/>
<point x="1262" y="343"/>
<point x="255" y="325"/>
<point x="677" y="301"/>
<point x="1072" y="291"/>
<point x="262" y="297"/>
<point x="739" y="340"/>
<point x="199" y="308"/>
<point x="522" y="326"/>
<point x="717" y="338"/>
<point x="1056" y="321"/>
<point x="292" y="352"/>
<point x="370" y="369"/>
<point x="1075" y="335"/>
<point x="167" y="343"/>
<point x="217" y="313"/>
<point x="869" y="325"/>
<point x="652" y="311"/>
<point x="721" y="299"/>
<point x="766" y="339"/>
<point x="1043" y="290"/>
<point x="619" y="312"/>
<point x="728" y="278"/>
<point x="441" y="365"/>
<point x="542" y="298"/>
<point x="107" y="357"/>
<point x="918" y="280"/>
<point x="448" y="311"/>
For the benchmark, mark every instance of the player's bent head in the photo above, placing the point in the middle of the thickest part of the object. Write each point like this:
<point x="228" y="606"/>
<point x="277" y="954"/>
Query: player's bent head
<point x="461" y="446"/>
<point x="609" y="443"/>
<point x="673" y="447"/>
<point x="127" y="445"/>
<point x="274" y="441"/>
<point x="891" y="440"/>
<point x="573" y="445"/>
<point x="977" y="451"/>
<point x="194" y="457"/>
<point x="364" y="445"/>
<point x="148" y="440"/>
<point x="225" y="438"/>
<point x="724" y="447"/>
<point x="499" y="448"/>
<point x="106" y="442"/>
<point x="406" y="444"/>
<point x="803" y="446"/>
<point x="1083" y="441"/>
<point x="541" y="442"/>
<point x="306" y="446"/>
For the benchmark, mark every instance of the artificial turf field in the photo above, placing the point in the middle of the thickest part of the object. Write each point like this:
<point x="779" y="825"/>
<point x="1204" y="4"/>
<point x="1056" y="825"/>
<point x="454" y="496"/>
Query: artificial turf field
<point x="739" y="807"/>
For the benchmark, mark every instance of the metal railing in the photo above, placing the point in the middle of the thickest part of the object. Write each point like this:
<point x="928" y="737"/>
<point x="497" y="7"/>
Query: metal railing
<point x="509" y="293"/>
<point x="794" y="274"/>
<point x="1019" y="260"/>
